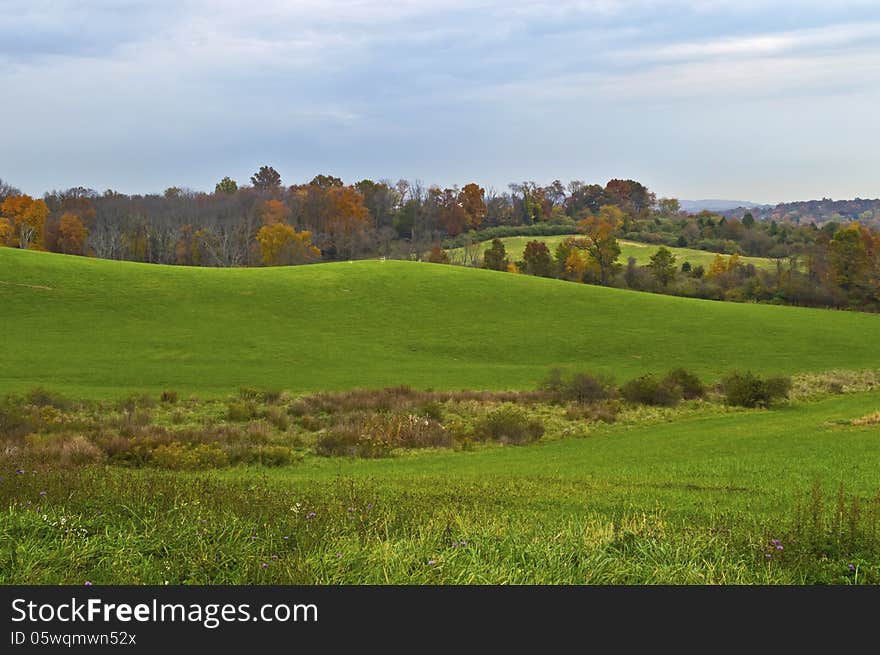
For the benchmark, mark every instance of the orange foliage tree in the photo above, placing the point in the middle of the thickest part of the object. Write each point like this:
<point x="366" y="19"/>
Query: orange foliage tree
<point x="349" y="218"/>
<point x="28" y="219"/>
<point x="281" y="245"/>
<point x="274" y="211"/>
<point x="601" y="243"/>
<point x="72" y="234"/>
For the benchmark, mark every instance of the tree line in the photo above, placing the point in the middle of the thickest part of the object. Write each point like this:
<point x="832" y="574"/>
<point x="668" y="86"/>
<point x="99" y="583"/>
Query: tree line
<point x="267" y="223"/>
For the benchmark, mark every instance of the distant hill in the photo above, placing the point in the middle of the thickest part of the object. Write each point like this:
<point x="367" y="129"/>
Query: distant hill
<point x="716" y="205"/>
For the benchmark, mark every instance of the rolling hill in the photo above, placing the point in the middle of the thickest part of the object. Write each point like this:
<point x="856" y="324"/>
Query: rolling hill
<point x="102" y="329"/>
<point x="641" y="251"/>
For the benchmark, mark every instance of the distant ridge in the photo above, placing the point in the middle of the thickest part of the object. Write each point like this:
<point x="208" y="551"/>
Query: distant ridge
<point x="716" y="205"/>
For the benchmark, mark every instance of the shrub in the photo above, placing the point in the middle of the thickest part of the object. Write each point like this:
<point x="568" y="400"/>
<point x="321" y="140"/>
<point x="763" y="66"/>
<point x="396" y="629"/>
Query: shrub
<point x="749" y="390"/>
<point x="432" y="410"/>
<point x="177" y="456"/>
<point x="587" y="388"/>
<point x="648" y="390"/>
<point x="14" y="421"/>
<point x="40" y="397"/>
<point x="169" y="397"/>
<point x="508" y="424"/>
<point x="277" y="416"/>
<point x="604" y="412"/>
<point x="690" y="385"/>
<point x="259" y="395"/>
<point x="238" y="412"/>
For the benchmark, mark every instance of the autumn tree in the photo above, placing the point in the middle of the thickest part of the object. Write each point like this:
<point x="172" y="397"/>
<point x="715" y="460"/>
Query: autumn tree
<point x="437" y="255"/>
<point x="471" y="199"/>
<point x="452" y="215"/>
<point x="348" y="219"/>
<point x="326" y="181"/>
<point x="228" y="186"/>
<point x="27" y="218"/>
<point x="274" y="211"/>
<point x="266" y="179"/>
<point x="495" y="257"/>
<point x="72" y="234"/>
<point x="7" y="190"/>
<point x="537" y="259"/>
<point x="849" y="256"/>
<point x="601" y="241"/>
<point x="663" y="266"/>
<point x="282" y="245"/>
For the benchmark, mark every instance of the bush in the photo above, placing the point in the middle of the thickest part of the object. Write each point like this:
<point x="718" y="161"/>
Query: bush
<point x="177" y="456"/>
<point x="690" y="385"/>
<point x="239" y="412"/>
<point x="14" y="422"/>
<point x="508" y="425"/>
<point x="648" y="390"/>
<point x="40" y="397"/>
<point x="749" y="390"/>
<point x="169" y="397"/>
<point x="586" y="388"/>
<point x="262" y="455"/>
<point x="278" y="417"/>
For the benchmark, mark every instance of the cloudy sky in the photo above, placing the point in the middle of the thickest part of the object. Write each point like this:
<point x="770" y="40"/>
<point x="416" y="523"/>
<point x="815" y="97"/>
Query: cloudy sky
<point x="750" y="100"/>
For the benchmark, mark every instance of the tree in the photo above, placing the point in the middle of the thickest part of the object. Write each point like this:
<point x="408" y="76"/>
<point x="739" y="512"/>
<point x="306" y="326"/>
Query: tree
<point x="266" y="179"/>
<point x="281" y="245"/>
<point x="438" y="256"/>
<point x="348" y="219"/>
<point x="326" y="181"/>
<point x="669" y="206"/>
<point x="7" y="232"/>
<point x="601" y="243"/>
<point x="748" y="221"/>
<point x="72" y="234"/>
<point x="495" y="257"/>
<point x="28" y="219"/>
<point x="7" y="190"/>
<point x="849" y="257"/>
<point x="227" y="185"/>
<point x="274" y="211"/>
<point x="537" y="259"/>
<point x="663" y="267"/>
<point x="471" y="200"/>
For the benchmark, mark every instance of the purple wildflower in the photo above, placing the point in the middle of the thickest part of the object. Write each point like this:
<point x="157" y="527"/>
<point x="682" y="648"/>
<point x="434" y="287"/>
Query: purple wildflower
<point x="88" y="583"/>
<point x="779" y="548"/>
<point x="431" y="562"/>
<point x="852" y="567"/>
<point x="455" y="544"/>
<point x="274" y="556"/>
<point x="775" y="542"/>
<point x="43" y="493"/>
<point x="311" y="515"/>
<point x="264" y="565"/>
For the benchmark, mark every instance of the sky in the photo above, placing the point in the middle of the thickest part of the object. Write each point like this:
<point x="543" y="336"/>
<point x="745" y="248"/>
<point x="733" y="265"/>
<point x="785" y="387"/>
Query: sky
<point x="739" y="99"/>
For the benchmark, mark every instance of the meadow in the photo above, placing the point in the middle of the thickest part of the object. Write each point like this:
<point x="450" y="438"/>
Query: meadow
<point x="786" y="495"/>
<point x="642" y="252"/>
<point x="95" y="328"/>
<point x="181" y="434"/>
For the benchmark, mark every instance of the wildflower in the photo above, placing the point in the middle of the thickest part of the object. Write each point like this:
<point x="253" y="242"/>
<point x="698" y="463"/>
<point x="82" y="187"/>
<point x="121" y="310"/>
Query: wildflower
<point x="464" y="543"/>
<point x="455" y="544"/>
<point x="775" y="542"/>
<point x="286" y="538"/>
<point x="264" y="565"/>
<point x="43" y="493"/>
<point x="779" y="548"/>
<point x="20" y="471"/>
<point x="338" y="555"/>
<point x="431" y="562"/>
<point x="852" y="567"/>
<point x="311" y="515"/>
<point x="88" y="583"/>
<point x="351" y="509"/>
<point x="768" y="556"/>
<point x="274" y="556"/>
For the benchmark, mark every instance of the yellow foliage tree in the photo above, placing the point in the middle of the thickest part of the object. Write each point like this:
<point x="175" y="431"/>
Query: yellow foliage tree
<point x="718" y="267"/>
<point x="28" y="218"/>
<point x="281" y="245"/>
<point x="6" y="232"/>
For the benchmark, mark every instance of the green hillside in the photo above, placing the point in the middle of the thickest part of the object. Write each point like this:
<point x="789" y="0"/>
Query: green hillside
<point x="641" y="251"/>
<point x="101" y="328"/>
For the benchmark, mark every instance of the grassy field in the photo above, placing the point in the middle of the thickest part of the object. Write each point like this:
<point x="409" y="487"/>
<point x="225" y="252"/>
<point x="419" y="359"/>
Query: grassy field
<point x="714" y="497"/>
<point x="641" y="251"/>
<point x="95" y="328"/>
